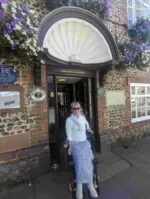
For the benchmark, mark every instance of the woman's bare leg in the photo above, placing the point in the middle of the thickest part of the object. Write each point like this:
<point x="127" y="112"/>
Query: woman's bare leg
<point x="92" y="190"/>
<point x="79" y="191"/>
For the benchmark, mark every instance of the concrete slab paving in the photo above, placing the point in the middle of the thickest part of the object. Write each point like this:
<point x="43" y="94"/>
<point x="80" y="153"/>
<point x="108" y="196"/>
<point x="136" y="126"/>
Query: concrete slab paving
<point x="146" y="140"/>
<point x="123" y="175"/>
<point x="144" y="148"/>
<point x="110" y="165"/>
<point x="135" y="182"/>
<point x="137" y="156"/>
<point x="22" y="191"/>
<point x="111" y="189"/>
<point x="55" y="185"/>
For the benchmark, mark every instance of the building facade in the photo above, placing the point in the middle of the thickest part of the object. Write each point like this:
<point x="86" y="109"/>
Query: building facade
<point x="116" y="101"/>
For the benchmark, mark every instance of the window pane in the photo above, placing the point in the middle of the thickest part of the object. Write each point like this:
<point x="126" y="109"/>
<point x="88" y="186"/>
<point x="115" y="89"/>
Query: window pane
<point x="129" y="2"/>
<point x="133" y="90"/>
<point x="130" y="22"/>
<point x="146" y="1"/>
<point x="148" y="110"/>
<point x="148" y="101"/>
<point x="138" y="4"/>
<point x="143" y="102"/>
<point x="143" y="111"/>
<point x="148" y="90"/>
<point x="133" y="113"/>
<point x="130" y="13"/>
<point x="139" y="14"/>
<point x="133" y="102"/>
<point x="140" y="90"/>
<point x="139" y="112"/>
<point x="142" y="8"/>
<point x="139" y="101"/>
<point x="145" y="13"/>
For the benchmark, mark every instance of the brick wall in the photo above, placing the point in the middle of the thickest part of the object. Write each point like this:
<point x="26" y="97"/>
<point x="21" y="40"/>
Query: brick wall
<point x="117" y="21"/>
<point x="115" y="120"/>
<point x="27" y="140"/>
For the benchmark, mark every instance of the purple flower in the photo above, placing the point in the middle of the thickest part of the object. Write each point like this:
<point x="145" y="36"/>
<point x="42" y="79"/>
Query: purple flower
<point x="16" y="42"/>
<point x="130" y="55"/>
<point x="22" y="20"/>
<point x="27" y="29"/>
<point x="8" y="25"/>
<point x="13" y="15"/>
<point x="108" y="4"/>
<point x="10" y="30"/>
<point x="24" y="7"/>
<point x="4" y="1"/>
<point x="2" y="14"/>
<point x="12" y="23"/>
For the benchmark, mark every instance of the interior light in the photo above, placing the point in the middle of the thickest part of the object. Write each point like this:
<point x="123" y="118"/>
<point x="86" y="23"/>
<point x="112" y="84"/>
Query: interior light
<point x="62" y="80"/>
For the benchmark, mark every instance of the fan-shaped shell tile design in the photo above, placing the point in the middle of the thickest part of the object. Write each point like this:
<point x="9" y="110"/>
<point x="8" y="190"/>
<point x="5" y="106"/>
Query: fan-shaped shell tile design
<point x="75" y="40"/>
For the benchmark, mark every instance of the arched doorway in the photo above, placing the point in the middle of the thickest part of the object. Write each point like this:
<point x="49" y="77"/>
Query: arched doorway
<point x="76" y="45"/>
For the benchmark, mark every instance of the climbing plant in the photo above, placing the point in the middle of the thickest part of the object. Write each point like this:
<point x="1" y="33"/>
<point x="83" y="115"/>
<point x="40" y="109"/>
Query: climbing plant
<point x="18" y="30"/>
<point x="98" y="7"/>
<point x="136" y="51"/>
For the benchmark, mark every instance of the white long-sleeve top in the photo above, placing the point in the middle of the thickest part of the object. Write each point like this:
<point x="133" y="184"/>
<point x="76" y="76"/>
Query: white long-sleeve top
<point x="74" y="132"/>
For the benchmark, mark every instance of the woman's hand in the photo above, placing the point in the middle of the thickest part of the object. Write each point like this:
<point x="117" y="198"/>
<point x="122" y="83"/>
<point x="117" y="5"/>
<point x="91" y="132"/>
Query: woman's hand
<point x="90" y="131"/>
<point x="69" y="151"/>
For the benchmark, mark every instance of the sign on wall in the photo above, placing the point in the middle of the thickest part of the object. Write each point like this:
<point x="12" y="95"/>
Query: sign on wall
<point x="8" y="74"/>
<point x="38" y="94"/>
<point x="115" y="97"/>
<point x="9" y="100"/>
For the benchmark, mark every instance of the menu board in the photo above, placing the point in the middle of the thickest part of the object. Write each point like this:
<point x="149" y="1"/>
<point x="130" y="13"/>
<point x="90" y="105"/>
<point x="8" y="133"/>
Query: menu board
<point x="9" y="100"/>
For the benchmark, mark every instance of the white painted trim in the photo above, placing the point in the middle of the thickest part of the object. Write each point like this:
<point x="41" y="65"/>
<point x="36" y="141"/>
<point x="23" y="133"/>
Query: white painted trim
<point x="139" y="119"/>
<point x="77" y="40"/>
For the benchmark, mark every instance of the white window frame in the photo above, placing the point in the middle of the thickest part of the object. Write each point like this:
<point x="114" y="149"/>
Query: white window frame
<point x="142" y="118"/>
<point x="134" y="9"/>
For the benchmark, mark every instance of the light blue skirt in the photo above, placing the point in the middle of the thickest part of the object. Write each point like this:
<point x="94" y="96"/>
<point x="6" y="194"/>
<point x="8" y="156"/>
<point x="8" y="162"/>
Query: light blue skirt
<point x="83" y="161"/>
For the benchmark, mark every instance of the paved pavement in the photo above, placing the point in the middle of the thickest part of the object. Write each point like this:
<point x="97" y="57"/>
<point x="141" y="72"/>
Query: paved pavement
<point x="124" y="174"/>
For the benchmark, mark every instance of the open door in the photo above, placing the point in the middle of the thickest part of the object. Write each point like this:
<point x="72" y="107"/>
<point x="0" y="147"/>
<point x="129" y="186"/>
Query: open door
<point x="62" y="91"/>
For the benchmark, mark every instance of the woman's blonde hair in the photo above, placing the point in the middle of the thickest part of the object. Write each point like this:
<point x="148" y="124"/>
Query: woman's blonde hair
<point x="75" y="103"/>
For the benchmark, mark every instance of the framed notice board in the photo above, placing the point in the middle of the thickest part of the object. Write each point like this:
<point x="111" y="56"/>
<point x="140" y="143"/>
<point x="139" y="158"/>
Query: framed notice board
<point x="11" y="98"/>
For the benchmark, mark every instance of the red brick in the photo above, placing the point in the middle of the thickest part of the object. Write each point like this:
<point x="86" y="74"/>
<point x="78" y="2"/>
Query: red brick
<point x="23" y="154"/>
<point x="5" y="157"/>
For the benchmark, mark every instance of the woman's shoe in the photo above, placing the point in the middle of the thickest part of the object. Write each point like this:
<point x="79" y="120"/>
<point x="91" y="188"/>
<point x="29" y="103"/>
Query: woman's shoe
<point x="79" y="197"/>
<point x="93" y="194"/>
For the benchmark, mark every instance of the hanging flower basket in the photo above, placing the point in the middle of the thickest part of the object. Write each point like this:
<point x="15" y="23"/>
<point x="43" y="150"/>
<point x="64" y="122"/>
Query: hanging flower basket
<point x="18" y="29"/>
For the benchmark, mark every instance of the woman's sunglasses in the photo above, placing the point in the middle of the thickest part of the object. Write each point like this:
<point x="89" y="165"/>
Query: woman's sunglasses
<point x="76" y="108"/>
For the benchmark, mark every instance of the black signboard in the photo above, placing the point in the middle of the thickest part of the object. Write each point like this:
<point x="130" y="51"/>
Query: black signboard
<point x="8" y="74"/>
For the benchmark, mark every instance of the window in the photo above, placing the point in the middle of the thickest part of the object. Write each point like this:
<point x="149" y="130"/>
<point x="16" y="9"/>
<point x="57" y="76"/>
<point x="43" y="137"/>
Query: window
<point x="140" y="101"/>
<point x="136" y="9"/>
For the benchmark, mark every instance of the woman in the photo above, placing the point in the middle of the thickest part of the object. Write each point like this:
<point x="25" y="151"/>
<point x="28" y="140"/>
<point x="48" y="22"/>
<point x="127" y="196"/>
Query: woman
<point x="79" y="146"/>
